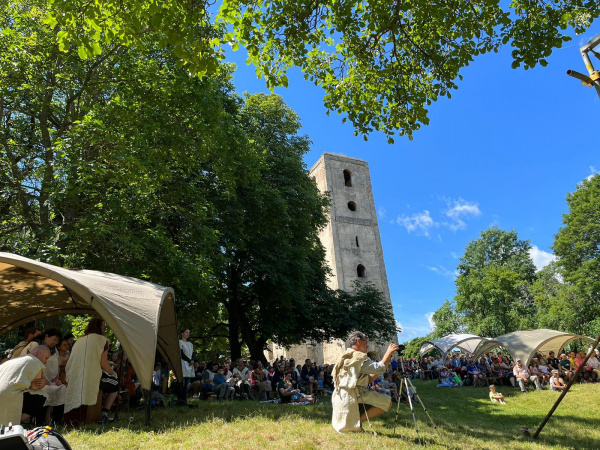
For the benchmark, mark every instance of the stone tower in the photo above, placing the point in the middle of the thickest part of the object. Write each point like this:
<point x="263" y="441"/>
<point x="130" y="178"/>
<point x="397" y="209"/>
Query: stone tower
<point x="351" y="240"/>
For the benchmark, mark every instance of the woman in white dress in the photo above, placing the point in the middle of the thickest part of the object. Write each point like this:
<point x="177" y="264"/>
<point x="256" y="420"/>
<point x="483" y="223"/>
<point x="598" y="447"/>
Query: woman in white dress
<point x="187" y="365"/>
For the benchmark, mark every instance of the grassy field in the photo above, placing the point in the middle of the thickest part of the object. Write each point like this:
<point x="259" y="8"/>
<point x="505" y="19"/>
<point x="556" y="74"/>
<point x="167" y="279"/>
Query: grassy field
<point x="465" y="419"/>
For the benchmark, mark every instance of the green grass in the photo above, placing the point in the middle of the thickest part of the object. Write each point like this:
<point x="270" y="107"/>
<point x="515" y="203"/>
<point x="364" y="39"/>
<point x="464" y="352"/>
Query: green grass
<point x="465" y="419"/>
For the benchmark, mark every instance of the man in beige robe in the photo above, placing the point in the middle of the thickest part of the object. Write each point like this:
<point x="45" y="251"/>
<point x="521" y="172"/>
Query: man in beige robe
<point x="352" y="375"/>
<point x="19" y="376"/>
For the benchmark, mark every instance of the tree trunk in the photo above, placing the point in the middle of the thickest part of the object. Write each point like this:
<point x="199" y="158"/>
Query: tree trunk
<point x="233" y="311"/>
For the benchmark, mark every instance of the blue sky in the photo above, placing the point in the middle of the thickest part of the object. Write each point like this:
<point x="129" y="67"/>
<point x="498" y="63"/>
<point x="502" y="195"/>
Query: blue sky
<point x="505" y="151"/>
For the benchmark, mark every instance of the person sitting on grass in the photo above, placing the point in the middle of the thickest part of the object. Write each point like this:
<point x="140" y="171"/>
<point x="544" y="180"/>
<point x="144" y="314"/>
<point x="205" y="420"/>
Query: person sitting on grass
<point x="496" y="397"/>
<point x="556" y="382"/>
<point x="288" y="394"/>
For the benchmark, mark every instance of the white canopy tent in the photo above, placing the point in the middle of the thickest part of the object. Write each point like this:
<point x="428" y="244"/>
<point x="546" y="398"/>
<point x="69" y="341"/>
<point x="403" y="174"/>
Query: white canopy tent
<point x="525" y="344"/>
<point x="466" y="342"/>
<point x="141" y="314"/>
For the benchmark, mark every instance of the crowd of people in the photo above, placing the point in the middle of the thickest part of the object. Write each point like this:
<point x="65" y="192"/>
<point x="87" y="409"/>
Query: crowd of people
<point x="48" y="374"/>
<point x="543" y="370"/>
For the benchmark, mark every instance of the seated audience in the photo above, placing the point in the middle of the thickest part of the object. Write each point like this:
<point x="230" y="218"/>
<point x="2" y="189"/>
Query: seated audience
<point x="565" y="367"/>
<point x="259" y="382"/>
<point x="310" y="376"/>
<point x="523" y="377"/>
<point x="288" y="394"/>
<point x="241" y="376"/>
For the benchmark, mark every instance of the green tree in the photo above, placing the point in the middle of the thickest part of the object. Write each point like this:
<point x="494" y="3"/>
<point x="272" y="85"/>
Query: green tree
<point x="447" y="320"/>
<point x="112" y="162"/>
<point x="577" y="244"/>
<point x="274" y="272"/>
<point x="494" y="283"/>
<point x="413" y="347"/>
<point x="559" y="305"/>
<point x="381" y="64"/>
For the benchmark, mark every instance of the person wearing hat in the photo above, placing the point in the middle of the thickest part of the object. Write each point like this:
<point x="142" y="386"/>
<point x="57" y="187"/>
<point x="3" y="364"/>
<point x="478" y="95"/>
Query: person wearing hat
<point x="556" y="382"/>
<point x="523" y="376"/>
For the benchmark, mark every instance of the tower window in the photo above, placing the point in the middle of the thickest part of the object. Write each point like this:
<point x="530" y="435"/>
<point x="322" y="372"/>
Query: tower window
<point x="347" y="178"/>
<point x="351" y="206"/>
<point x="357" y="242"/>
<point x="360" y="271"/>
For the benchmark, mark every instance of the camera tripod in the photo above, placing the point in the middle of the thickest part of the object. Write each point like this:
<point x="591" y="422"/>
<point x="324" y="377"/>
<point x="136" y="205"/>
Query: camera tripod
<point x="407" y="385"/>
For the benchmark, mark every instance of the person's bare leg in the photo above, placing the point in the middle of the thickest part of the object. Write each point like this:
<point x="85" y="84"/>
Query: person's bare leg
<point x="110" y="399"/>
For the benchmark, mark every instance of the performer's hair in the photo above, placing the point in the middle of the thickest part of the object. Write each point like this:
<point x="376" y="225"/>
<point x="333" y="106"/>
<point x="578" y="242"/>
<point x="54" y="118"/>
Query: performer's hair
<point x="95" y="326"/>
<point x="355" y="336"/>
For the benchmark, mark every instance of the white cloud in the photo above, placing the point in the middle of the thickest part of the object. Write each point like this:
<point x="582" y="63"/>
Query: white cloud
<point x="457" y="212"/>
<point x="382" y="212"/>
<point x="429" y="317"/>
<point x="461" y="209"/>
<point x="593" y="172"/>
<point x="415" y="326"/>
<point x="441" y="270"/>
<point x="540" y="257"/>
<point x="420" y="223"/>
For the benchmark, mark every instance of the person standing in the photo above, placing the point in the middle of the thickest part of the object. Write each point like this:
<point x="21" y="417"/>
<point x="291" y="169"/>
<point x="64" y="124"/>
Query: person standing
<point x="187" y="366"/>
<point x="88" y="371"/>
<point x="352" y="375"/>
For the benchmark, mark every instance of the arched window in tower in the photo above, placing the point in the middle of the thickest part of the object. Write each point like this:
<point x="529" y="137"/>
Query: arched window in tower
<point x="347" y="178"/>
<point x="351" y="206"/>
<point x="360" y="271"/>
<point x="357" y="242"/>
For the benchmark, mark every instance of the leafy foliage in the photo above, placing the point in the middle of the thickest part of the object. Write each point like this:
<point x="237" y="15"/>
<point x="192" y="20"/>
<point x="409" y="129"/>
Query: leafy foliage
<point x="577" y="245"/>
<point x="381" y="64"/>
<point x="493" y="285"/>
<point x="447" y="320"/>
<point x="125" y="162"/>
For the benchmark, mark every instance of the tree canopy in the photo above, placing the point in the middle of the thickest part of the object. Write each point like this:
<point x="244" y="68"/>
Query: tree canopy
<point x="577" y="245"/>
<point x="493" y="285"/>
<point x="124" y="162"/>
<point x="380" y="64"/>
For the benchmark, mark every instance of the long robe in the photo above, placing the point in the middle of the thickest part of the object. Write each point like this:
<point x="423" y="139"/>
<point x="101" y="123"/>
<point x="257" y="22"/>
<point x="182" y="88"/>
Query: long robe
<point x="16" y="376"/>
<point x="55" y="395"/>
<point x="351" y="378"/>
<point x="84" y="371"/>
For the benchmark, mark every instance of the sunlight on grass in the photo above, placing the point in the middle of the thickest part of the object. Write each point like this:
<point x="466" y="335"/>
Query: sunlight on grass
<point x="465" y="419"/>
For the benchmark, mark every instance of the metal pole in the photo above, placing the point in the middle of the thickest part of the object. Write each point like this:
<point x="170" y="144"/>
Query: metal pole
<point x="564" y="392"/>
<point x="594" y="75"/>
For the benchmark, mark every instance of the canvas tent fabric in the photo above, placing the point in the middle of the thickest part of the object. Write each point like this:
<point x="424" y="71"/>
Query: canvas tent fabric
<point x="141" y="314"/>
<point x="525" y="344"/>
<point x="466" y="342"/>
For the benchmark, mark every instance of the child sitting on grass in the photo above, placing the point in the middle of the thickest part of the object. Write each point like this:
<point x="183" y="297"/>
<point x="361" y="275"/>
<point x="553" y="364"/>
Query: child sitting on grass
<point x="496" y="396"/>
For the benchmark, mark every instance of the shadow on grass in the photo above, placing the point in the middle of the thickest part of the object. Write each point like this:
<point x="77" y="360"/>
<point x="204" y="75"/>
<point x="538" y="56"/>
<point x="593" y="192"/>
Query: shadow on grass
<point x="464" y="418"/>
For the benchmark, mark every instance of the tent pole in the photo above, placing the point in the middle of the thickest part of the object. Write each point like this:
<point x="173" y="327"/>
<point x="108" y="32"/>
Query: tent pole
<point x="120" y="379"/>
<point x="564" y="392"/>
<point x="147" y="404"/>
